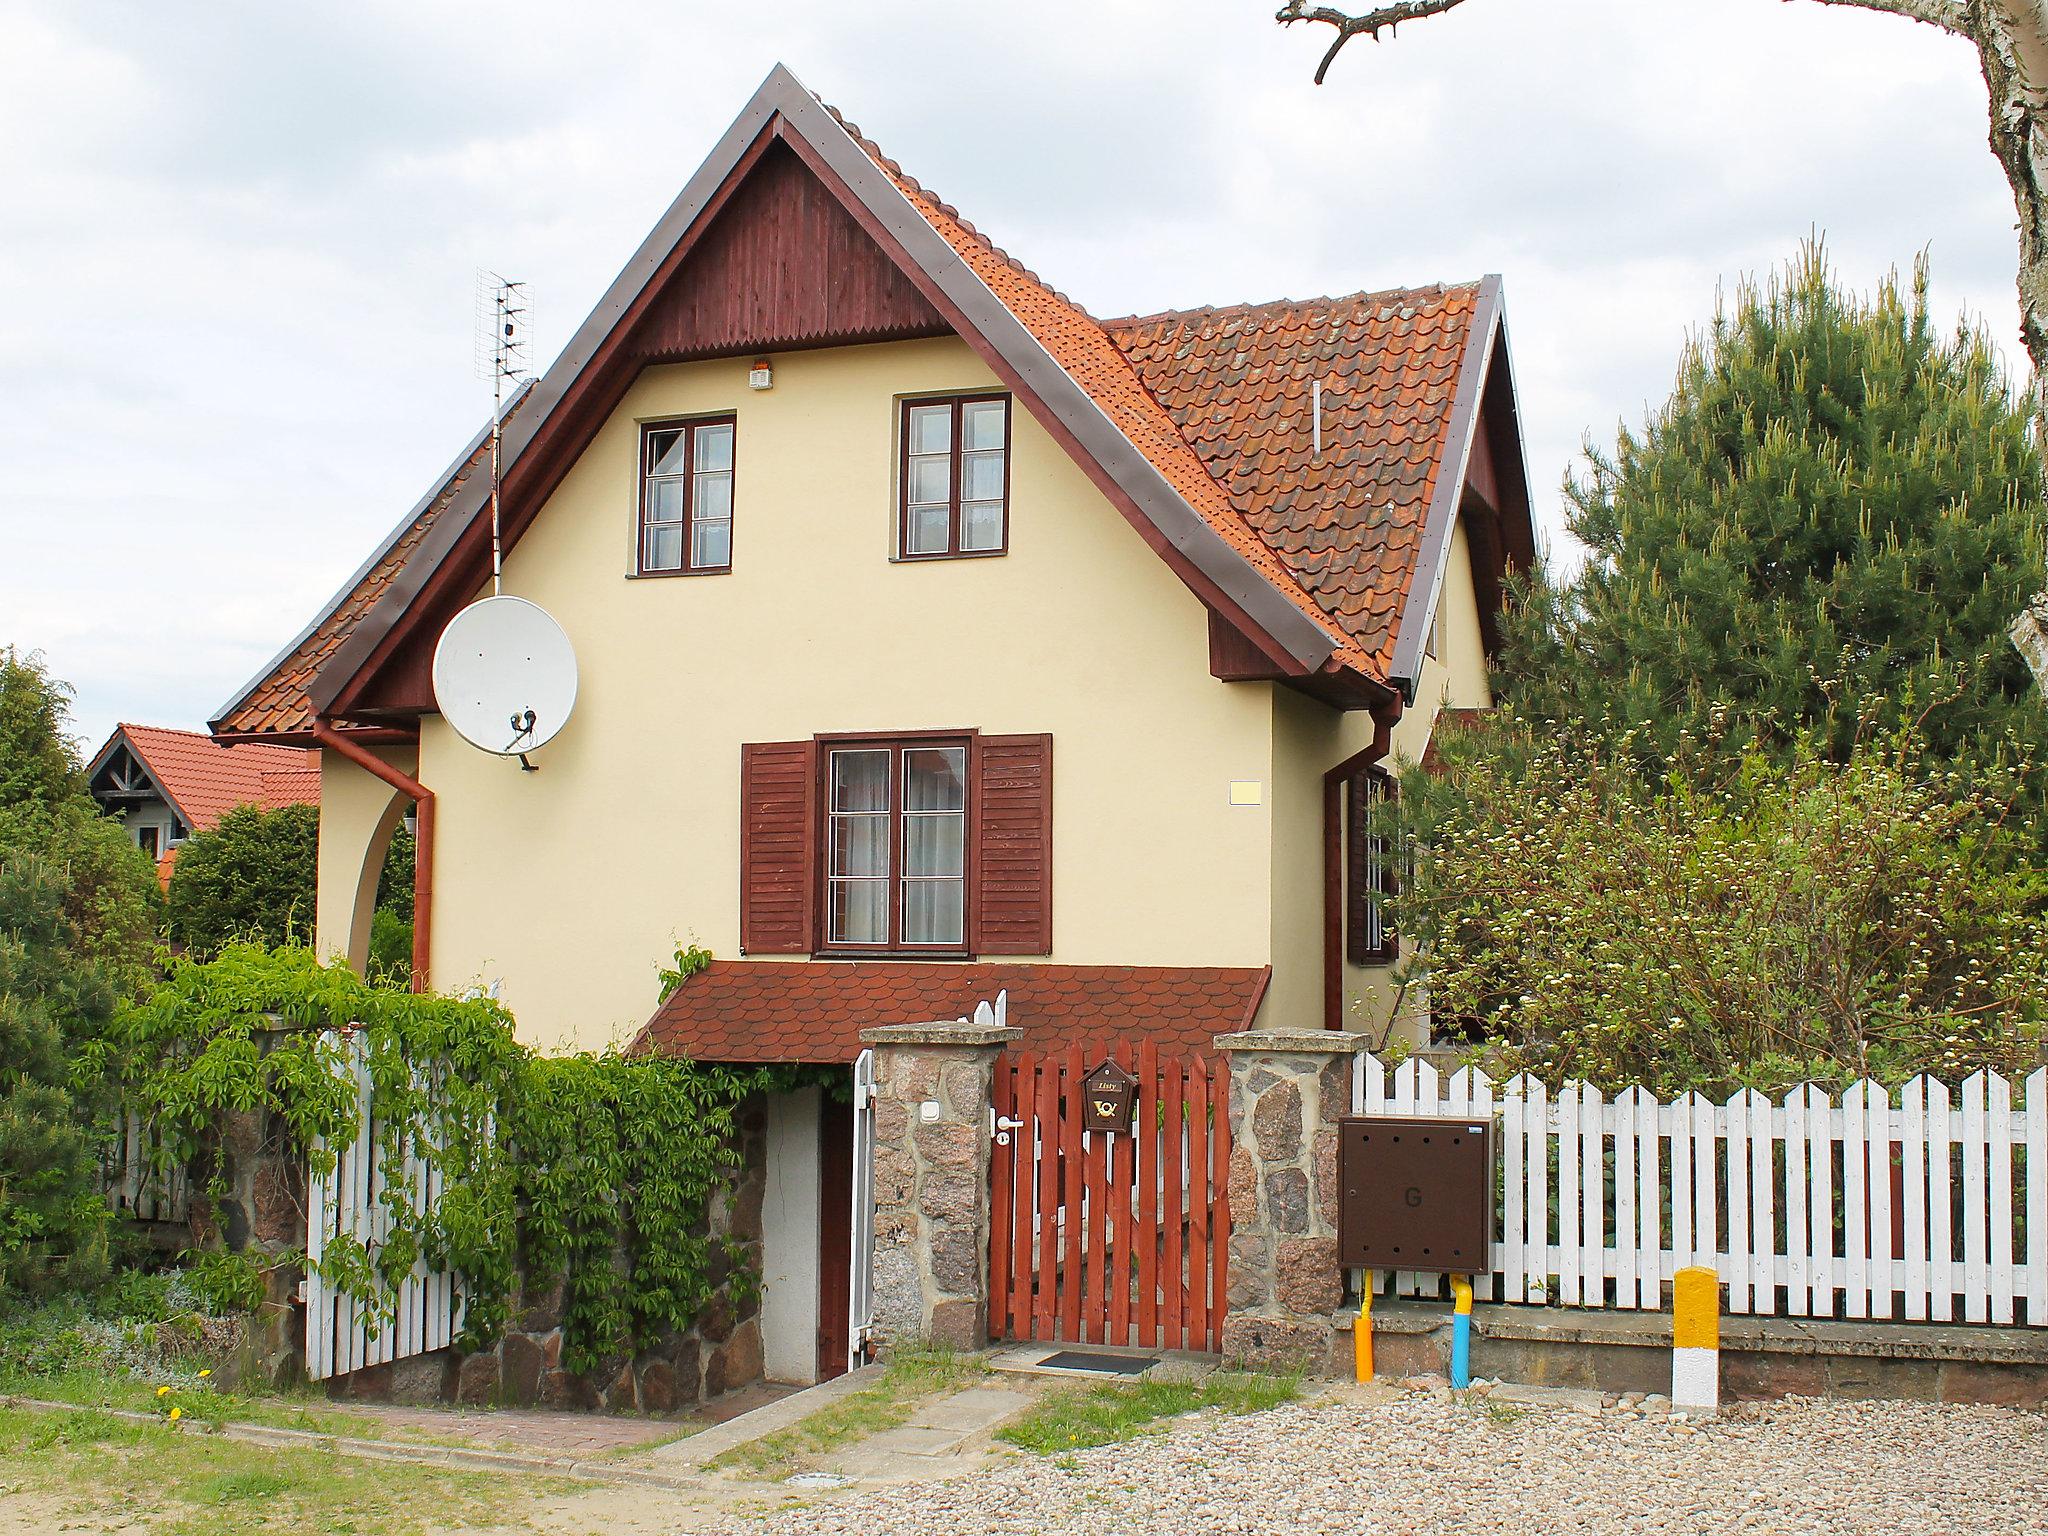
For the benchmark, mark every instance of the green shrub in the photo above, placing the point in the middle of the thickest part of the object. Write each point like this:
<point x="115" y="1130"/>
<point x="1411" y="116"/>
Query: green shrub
<point x="390" y="949"/>
<point x="250" y="879"/>
<point x="552" y="1165"/>
<point x="153" y="1326"/>
<point x="1831" y="521"/>
<point x="1749" y="924"/>
<point x="226" y="1282"/>
<point x="77" y="913"/>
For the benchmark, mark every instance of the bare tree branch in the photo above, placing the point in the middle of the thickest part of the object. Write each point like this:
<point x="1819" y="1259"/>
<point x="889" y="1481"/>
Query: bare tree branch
<point x="1948" y="15"/>
<point x="1385" y="17"/>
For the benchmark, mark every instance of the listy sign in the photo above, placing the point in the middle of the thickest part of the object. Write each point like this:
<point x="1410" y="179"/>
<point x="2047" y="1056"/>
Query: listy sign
<point x="1108" y="1094"/>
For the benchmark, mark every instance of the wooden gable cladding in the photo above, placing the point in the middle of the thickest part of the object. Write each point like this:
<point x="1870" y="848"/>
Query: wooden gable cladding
<point x="1012" y="811"/>
<point x="778" y="819"/>
<point x="783" y="266"/>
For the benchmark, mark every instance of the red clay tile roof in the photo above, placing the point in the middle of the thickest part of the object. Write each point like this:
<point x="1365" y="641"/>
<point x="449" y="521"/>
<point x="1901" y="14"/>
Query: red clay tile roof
<point x="205" y="779"/>
<point x="814" y="1010"/>
<point x="1238" y="384"/>
<point x="1216" y="401"/>
<point x="1094" y="358"/>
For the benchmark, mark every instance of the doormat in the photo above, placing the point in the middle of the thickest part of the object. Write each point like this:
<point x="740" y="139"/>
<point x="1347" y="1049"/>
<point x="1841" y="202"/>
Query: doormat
<point x="1104" y="1365"/>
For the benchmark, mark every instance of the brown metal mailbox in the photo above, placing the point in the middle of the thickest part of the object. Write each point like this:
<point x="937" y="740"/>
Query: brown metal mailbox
<point x="1417" y="1194"/>
<point x="1107" y="1096"/>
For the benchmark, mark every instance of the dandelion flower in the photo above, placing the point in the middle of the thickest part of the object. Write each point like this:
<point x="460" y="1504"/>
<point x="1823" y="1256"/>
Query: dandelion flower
<point x="177" y="1414"/>
<point x="206" y="1373"/>
<point x="163" y="1391"/>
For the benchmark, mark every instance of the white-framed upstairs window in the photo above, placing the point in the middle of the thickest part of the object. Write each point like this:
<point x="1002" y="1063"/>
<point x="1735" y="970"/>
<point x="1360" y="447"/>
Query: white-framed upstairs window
<point x="686" y="501"/>
<point x="954" y="474"/>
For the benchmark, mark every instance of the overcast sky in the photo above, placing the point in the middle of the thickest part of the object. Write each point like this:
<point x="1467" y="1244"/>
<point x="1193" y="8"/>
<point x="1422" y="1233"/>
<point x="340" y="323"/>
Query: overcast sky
<point x="238" y="237"/>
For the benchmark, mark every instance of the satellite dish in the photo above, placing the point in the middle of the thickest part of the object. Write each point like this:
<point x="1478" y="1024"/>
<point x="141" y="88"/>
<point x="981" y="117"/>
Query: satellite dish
<point x="505" y="676"/>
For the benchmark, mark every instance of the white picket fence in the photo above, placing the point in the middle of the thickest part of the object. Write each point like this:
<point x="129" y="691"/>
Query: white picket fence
<point x="133" y="1181"/>
<point x="1930" y="1208"/>
<point x="342" y="1334"/>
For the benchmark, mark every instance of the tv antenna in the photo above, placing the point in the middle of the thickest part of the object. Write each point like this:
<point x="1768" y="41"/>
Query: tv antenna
<point x="504" y="332"/>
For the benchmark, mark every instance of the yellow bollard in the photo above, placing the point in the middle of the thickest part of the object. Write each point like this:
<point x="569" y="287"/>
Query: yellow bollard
<point x="1361" y="1331"/>
<point x="1696" y="1340"/>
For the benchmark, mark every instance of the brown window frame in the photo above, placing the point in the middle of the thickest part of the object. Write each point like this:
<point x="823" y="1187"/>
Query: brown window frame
<point x="895" y="743"/>
<point x="688" y="426"/>
<point x="952" y="551"/>
<point x="1372" y="870"/>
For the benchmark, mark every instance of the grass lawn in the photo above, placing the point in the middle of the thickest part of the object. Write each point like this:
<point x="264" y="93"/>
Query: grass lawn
<point x="59" y="1468"/>
<point x="91" y="1387"/>
<point x="1075" y="1418"/>
<point x="909" y="1379"/>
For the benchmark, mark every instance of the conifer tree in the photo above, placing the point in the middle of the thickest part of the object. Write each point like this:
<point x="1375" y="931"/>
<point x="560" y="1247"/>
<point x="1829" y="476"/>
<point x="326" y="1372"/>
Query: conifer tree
<point x="1834" y="518"/>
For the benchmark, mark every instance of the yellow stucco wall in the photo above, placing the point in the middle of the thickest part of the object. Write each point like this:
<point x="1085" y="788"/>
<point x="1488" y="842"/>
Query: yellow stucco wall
<point x="358" y="812"/>
<point x="566" y="889"/>
<point x="1455" y="678"/>
<point x="570" y="886"/>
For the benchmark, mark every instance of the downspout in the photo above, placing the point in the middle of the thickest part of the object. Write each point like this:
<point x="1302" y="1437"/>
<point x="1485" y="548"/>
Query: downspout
<point x="423" y="837"/>
<point x="1333" y="860"/>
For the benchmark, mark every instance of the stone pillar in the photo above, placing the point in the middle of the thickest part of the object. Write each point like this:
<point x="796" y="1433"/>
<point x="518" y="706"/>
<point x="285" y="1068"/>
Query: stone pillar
<point x="932" y="1085"/>
<point x="1288" y="1088"/>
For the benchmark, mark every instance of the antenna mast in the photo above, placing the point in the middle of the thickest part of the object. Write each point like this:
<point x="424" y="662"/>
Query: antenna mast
<point x="504" y="326"/>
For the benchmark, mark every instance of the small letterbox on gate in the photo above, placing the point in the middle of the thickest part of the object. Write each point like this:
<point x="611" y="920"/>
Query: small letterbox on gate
<point x="1107" y="1094"/>
<point x="1417" y="1194"/>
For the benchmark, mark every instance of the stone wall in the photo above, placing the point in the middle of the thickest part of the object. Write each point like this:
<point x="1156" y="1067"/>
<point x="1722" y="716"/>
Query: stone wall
<point x="932" y="1084"/>
<point x="720" y="1353"/>
<point x="1288" y="1089"/>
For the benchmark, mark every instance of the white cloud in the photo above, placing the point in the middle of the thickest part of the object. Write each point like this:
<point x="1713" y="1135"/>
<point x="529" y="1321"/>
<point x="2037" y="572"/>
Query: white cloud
<point x="237" y="241"/>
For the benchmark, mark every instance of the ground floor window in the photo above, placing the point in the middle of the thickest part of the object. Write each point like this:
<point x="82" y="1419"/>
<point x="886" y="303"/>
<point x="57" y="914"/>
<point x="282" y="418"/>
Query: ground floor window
<point x="896" y="845"/>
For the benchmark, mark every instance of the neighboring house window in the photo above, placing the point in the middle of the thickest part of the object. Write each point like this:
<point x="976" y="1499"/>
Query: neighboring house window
<point x="1371" y="874"/>
<point x="145" y="839"/>
<point x="955" y="497"/>
<point x="896" y="846"/>
<point x="686" y="497"/>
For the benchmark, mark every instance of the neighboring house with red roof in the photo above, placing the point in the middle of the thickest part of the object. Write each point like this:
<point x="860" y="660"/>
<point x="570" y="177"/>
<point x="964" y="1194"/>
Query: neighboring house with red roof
<point x="164" y="785"/>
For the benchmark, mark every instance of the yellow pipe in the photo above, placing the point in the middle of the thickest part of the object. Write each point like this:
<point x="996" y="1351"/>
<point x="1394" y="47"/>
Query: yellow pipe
<point x="1361" y="1331"/>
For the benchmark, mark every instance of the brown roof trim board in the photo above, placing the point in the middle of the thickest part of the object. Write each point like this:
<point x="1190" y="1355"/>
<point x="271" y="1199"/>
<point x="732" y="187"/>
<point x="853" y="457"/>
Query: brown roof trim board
<point x="342" y="593"/>
<point x="1489" y="326"/>
<point x="1294" y="639"/>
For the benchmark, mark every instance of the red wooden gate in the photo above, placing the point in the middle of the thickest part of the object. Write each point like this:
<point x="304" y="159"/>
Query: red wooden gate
<point x="1111" y="1239"/>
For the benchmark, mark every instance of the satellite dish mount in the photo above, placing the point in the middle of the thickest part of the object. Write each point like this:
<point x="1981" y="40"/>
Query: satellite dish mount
<point x="505" y="677"/>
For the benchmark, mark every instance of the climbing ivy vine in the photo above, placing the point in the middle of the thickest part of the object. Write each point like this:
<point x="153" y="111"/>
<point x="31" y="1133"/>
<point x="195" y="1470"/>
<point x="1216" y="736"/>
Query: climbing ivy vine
<point x="596" y="1171"/>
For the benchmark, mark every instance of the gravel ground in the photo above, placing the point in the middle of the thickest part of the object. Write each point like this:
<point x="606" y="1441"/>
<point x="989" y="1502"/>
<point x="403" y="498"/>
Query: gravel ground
<point x="1415" y="1465"/>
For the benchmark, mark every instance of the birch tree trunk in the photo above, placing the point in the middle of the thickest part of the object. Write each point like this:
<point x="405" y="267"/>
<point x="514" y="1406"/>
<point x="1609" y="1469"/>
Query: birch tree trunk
<point x="2012" y="42"/>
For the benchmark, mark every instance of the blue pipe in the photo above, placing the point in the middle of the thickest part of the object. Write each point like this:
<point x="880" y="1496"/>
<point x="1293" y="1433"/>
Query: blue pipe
<point x="1461" y="1332"/>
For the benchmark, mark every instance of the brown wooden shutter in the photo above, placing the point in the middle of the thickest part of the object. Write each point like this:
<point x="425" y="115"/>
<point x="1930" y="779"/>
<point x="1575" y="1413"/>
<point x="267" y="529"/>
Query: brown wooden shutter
<point x="777" y="833"/>
<point x="1012" y="812"/>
